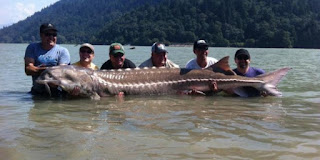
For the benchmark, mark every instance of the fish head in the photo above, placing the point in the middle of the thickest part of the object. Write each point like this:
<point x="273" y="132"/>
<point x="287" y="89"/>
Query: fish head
<point x="74" y="80"/>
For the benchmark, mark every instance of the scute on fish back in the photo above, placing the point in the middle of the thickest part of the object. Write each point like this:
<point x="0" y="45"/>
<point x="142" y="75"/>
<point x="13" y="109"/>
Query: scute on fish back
<point x="156" y="80"/>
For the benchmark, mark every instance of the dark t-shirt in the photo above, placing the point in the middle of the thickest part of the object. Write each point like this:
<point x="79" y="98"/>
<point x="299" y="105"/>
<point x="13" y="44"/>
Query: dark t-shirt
<point x="126" y="64"/>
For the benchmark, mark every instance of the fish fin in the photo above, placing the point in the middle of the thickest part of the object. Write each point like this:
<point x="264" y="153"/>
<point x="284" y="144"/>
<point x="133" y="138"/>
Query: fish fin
<point x="54" y="82"/>
<point x="222" y="66"/>
<point x="95" y="96"/>
<point x="240" y="92"/>
<point x="247" y="91"/>
<point x="184" y="71"/>
<point x="191" y="92"/>
<point x="271" y="89"/>
<point x="196" y="92"/>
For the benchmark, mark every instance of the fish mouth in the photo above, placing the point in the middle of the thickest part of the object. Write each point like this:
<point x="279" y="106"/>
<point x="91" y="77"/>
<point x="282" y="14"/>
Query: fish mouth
<point x="48" y="83"/>
<point x="47" y="79"/>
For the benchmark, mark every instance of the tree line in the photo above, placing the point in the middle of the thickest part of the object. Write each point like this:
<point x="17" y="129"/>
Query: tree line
<point x="223" y="23"/>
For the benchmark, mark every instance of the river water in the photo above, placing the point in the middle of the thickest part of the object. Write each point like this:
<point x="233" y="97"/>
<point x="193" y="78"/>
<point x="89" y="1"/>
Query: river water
<point x="164" y="127"/>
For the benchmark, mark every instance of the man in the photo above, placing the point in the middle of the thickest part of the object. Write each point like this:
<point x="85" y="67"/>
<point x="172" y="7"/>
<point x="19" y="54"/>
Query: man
<point x="202" y="61"/>
<point x="158" y="58"/>
<point x="242" y="59"/>
<point x="86" y="53"/>
<point x="117" y="58"/>
<point x="47" y="53"/>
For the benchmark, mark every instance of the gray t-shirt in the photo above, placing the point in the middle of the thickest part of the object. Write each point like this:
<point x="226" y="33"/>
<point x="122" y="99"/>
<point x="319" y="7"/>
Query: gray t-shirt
<point x="148" y="63"/>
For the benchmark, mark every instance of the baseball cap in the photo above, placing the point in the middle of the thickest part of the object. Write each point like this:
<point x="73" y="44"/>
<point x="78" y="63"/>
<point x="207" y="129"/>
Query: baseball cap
<point x="87" y="45"/>
<point x="47" y="26"/>
<point x="200" y="44"/>
<point x="242" y="52"/>
<point x="158" y="48"/>
<point x="116" y="48"/>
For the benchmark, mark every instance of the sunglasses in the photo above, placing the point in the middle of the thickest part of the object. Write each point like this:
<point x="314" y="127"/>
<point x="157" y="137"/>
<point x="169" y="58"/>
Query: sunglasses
<point x="50" y="34"/>
<point x="86" y="51"/>
<point x="118" y="55"/>
<point x="202" y="48"/>
<point x="242" y="57"/>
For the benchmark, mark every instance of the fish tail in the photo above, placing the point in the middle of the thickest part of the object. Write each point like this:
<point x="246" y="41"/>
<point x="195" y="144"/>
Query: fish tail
<point x="272" y="79"/>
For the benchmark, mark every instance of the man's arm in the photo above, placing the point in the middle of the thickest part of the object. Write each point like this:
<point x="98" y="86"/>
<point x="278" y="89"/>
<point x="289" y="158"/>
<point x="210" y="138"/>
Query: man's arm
<point x="30" y="69"/>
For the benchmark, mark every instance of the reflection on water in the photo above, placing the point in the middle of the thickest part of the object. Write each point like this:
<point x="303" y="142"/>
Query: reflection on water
<point x="176" y="127"/>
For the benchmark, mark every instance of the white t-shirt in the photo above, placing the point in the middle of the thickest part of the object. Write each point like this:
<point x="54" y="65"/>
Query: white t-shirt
<point x="192" y="64"/>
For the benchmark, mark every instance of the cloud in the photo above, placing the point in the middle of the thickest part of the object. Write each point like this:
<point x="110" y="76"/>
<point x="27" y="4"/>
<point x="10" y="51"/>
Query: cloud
<point x="15" y="12"/>
<point x="12" y="11"/>
<point x="23" y="11"/>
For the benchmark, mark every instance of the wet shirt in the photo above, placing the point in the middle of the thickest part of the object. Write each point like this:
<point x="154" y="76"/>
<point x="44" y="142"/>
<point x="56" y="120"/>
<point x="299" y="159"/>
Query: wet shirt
<point x="126" y="64"/>
<point x="252" y="72"/>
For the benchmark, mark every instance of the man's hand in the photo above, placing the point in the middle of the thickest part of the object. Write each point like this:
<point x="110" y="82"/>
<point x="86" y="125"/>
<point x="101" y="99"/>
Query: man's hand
<point x="31" y="69"/>
<point x="214" y="87"/>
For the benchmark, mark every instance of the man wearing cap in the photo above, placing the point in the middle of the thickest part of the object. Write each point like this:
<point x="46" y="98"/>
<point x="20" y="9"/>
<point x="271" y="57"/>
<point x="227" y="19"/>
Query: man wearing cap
<point x="158" y="57"/>
<point x="242" y="59"/>
<point x="86" y="53"/>
<point x="39" y="56"/>
<point x="202" y="61"/>
<point x="117" y="58"/>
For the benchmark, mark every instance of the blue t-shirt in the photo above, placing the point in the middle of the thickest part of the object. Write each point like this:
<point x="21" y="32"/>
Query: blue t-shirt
<point x="252" y="72"/>
<point x="55" y="56"/>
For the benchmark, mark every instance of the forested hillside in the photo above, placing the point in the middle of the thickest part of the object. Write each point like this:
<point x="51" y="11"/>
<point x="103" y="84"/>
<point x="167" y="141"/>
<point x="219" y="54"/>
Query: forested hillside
<point x="77" y="20"/>
<point x="238" y="23"/>
<point x="249" y="23"/>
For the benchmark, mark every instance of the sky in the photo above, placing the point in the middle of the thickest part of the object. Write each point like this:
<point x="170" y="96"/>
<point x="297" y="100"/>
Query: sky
<point x="12" y="11"/>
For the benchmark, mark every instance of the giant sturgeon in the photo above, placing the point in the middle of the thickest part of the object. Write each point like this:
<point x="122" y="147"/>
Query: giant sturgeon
<point x="151" y="81"/>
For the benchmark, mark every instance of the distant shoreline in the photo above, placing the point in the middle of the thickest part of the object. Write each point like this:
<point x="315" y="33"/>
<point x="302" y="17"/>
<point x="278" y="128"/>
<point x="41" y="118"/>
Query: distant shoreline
<point x="181" y="45"/>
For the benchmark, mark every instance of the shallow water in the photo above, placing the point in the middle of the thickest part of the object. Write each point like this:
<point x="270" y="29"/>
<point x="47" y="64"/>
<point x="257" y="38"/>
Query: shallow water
<point x="164" y="127"/>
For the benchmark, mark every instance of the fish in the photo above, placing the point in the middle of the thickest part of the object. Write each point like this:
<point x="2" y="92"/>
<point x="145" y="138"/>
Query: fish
<point x="158" y="81"/>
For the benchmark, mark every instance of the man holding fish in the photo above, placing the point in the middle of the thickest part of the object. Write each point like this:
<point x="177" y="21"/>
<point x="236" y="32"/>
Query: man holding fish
<point x="47" y="53"/>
